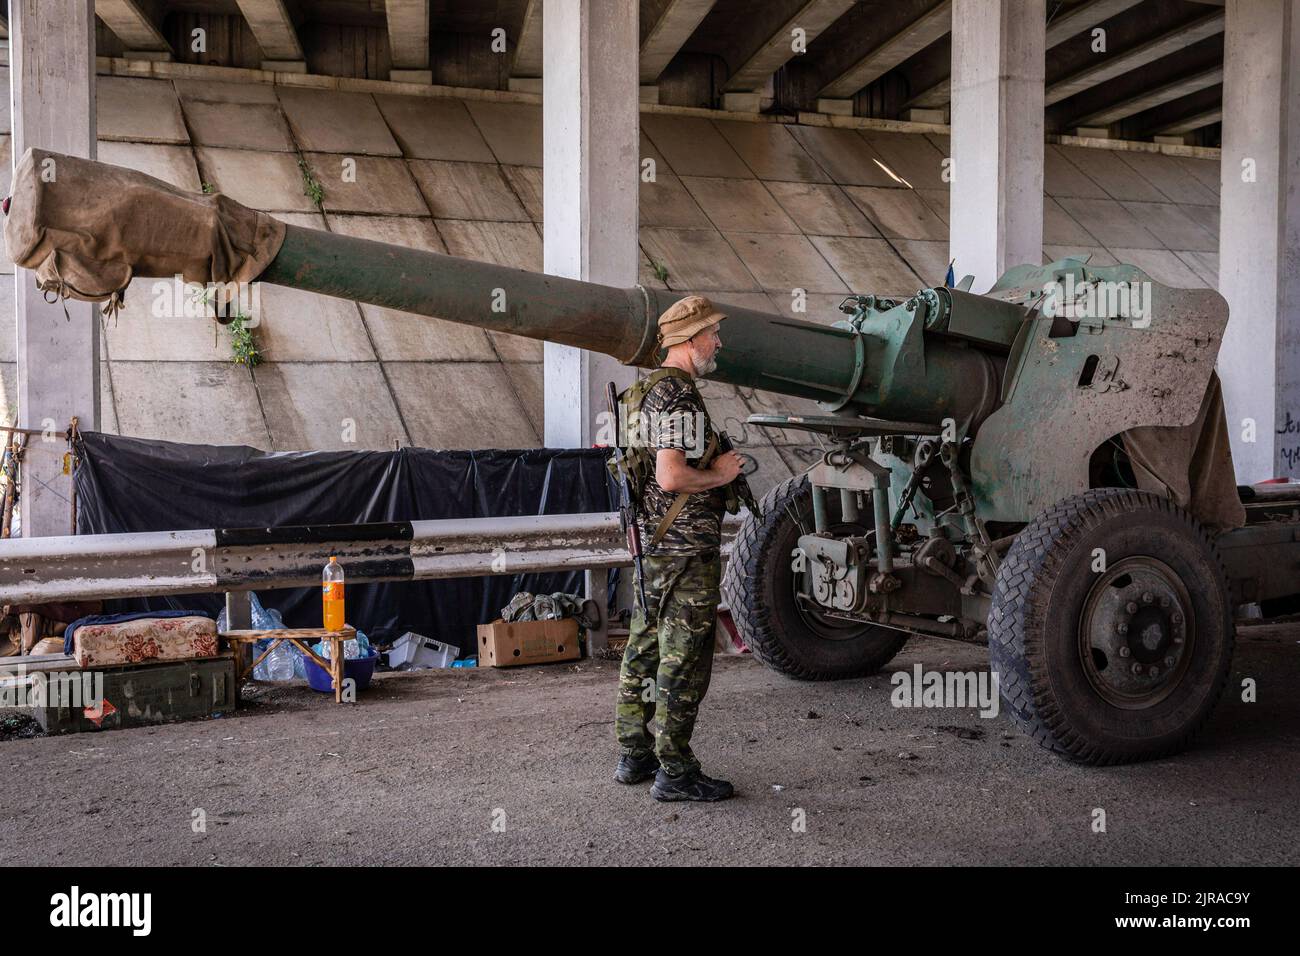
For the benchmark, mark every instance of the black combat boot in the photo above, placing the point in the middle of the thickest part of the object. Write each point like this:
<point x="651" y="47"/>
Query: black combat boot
<point x="692" y="785"/>
<point x="635" y="769"/>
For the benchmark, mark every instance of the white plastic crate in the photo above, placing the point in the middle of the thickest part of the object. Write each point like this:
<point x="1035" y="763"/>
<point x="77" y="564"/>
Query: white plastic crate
<point x="420" y="651"/>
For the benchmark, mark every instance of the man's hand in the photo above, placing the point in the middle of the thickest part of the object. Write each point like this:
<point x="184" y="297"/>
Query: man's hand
<point x="727" y="467"/>
<point x="675" y="475"/>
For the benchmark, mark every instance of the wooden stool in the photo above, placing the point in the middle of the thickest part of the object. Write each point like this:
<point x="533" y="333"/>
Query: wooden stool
<point x="300" y="637"/>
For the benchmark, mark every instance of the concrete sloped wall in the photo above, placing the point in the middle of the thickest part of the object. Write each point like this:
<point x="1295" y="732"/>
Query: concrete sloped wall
<point x="748" y="213"/>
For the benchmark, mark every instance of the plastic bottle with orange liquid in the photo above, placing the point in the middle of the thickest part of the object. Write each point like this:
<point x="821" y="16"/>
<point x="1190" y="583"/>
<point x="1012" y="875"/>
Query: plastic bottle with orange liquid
<point x="332" y="594"/>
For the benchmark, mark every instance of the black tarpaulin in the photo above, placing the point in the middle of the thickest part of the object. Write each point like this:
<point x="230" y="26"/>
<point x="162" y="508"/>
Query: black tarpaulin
<point x="130" y="484"/>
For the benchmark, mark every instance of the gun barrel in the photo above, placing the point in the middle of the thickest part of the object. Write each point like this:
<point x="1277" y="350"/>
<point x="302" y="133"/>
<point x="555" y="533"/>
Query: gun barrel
<point x="760" y="350"/>
<point x="94" y="227"/>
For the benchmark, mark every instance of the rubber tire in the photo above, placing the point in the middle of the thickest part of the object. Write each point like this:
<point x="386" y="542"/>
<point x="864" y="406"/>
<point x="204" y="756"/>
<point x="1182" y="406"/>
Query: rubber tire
<point x="1033" y="626"/>
<point x="758" y="588"/>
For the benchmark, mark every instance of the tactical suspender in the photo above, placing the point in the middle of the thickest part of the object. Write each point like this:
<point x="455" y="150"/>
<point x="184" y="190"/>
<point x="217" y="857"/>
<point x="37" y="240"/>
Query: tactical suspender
<point x="680" y="501"/>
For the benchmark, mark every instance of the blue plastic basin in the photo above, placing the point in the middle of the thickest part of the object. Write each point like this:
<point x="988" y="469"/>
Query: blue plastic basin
<point x="360" y="669"/>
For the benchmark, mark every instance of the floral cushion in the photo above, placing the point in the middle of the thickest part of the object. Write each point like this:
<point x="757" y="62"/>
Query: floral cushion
<point x="146" y="639"/>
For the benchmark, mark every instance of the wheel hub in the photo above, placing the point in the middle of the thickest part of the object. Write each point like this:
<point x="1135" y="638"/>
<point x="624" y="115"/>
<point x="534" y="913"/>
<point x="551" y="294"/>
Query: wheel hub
<point x="1135" y="632"/>
<point x="827" y="626"/>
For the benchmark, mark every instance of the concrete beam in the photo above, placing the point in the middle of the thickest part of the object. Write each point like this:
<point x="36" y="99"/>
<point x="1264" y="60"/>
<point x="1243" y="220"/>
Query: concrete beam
<point x="935" y="97"/>
<point x="1191" y="123"/>
<point x="408" y="34"/>
<point x="1118" y="64"/>
<point x="937" y="94"/>
<point x="52" y="52"/>
<point x="996" y="217"/>
<point x="1157" y="93"/>
<point x="1259" y="237"/>
<point x="1084" y="17"/>
<point x="528" y="49"/>
<point x="811" y="18"/>
<point x="1157" y="120"/>
<point x="135" y="23"/>
<point x="669" y="33"/>
<point x="915" y="37"/>
<point x="590" y="180"/>
<point x="275" y="33"/>
<point x="1150" y="99"/>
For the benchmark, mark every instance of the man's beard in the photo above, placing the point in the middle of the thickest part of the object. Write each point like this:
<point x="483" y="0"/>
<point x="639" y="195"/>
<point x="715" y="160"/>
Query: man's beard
<point x="703" y="366"/>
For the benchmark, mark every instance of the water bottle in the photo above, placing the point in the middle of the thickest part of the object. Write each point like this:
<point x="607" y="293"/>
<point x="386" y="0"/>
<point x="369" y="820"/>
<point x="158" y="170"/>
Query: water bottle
<point x="280" y="662"/>
<point x="332" y="594"/>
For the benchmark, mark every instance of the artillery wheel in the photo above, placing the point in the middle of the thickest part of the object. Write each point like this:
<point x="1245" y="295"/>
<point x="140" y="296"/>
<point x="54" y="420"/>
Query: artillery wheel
<point x="760" y="588"/>
<point x="1118" y="661"/>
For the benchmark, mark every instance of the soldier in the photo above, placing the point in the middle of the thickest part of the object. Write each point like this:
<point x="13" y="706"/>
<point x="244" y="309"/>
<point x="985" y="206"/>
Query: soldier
<point x="669" y="655"/>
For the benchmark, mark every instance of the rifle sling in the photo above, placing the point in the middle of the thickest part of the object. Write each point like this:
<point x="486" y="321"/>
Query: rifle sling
<point x="679" y="502"/>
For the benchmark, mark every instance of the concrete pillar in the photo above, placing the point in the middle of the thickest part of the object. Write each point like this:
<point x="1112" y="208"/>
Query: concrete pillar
<point x="52" y="50"/>
<point x="668" y="34"/>
<point x="997" y="137"/>
<point x="597" y="583"/>
<point x="239" y="617"/>
<point x="590" y="168"/>
<point x="408" y="40"/>
<point x="1259" y="237"/>
<point x="272" y="24"/>
<point x="133" y="23"/>
<point x="527" y="63"/>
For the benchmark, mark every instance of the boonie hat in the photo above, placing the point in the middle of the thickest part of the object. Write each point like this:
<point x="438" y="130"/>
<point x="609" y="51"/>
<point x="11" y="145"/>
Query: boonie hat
<point x="685" y="318"/>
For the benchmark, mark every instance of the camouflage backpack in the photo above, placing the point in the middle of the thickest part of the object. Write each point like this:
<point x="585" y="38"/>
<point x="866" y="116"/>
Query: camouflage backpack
<point x="638" y="457"/>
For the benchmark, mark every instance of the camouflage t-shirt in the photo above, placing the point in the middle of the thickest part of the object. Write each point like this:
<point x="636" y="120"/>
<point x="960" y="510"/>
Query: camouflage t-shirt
<point x="674" y="416"/>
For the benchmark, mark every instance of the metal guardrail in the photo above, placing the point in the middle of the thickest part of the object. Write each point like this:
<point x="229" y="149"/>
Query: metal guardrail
<point x="83" y="567"/>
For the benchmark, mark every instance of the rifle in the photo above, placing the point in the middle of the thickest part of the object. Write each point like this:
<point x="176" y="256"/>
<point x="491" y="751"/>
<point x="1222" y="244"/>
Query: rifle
<point x="626" y="505"/>
<point x="741" y="486"/>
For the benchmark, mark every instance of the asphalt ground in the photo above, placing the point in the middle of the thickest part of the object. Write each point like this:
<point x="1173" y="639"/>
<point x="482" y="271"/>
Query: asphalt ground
<point x="513" y="766"/>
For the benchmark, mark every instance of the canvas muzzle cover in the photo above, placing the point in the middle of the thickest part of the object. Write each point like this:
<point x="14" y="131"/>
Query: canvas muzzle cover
<point x="87" y="229"/>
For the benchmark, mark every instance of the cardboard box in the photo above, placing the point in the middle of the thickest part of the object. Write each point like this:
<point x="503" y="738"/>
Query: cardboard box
<point x="527" y="642"/>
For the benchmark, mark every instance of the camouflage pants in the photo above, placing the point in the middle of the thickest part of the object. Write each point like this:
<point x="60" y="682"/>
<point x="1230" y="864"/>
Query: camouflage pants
<point x="669" y="659"/>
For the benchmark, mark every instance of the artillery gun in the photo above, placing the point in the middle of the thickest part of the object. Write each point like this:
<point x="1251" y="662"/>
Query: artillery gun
<point x="1044" y="466"/>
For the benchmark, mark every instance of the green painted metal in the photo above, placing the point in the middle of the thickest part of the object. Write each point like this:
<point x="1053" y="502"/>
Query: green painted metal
<point x="996" y="368"/>
<point x="599" y="317"/>
<point x="1033" y="377"/>
<point x="1067" y="391"/>
<point x="142" y="695"/>
<point x="760" y="350"/>
<point x="911" y="375"/>
<point x="884" y="366"/>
